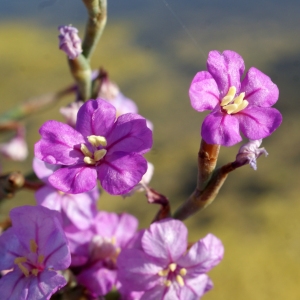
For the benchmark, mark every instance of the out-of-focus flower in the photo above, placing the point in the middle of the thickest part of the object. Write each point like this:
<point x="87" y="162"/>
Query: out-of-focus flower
<point x="100" y="147"/>
<point x="16" y="148"/>
<point x="69" y="41"/>
<point x="95" y="250"/>
<point x="35" y="247"/>
<point x="164" y="269"/>
<point x="76" y="210"/>
<point x="250" y="152"/>
<point x="235" y="105"/>
<point x="70" y="112"/>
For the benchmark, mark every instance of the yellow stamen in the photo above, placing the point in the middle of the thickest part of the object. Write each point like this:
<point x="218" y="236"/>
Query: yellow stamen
<point x="35" y="272"/>
<point x="99" y="154"/>
<point x="41" y="258"/>
<point x="84" y="149"/>
<point x="97" y="140"/>
<point x="172" y="267"/>
<point x="113" y="240"/>
<point x="33" y="246"/>
<point x="180" y="280"/>
<point x="230" y="108"/>
<point x="229" y="97"/>
<point x="239" y="99"/>
<point x="18" y="261"/>
<point x="163" y="273"/>
<point x="89" y="161"/>
<point x="168" y="283"/>
<point x="243" y="105"/>
<point x="183" y="272"/>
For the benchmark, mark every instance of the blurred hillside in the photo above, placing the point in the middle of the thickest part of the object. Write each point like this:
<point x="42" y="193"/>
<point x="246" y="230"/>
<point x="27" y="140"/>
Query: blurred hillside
<point x="256" y="214"/>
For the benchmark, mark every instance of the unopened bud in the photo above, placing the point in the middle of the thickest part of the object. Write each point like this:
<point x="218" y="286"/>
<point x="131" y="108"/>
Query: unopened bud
<point x="69" y="41"/>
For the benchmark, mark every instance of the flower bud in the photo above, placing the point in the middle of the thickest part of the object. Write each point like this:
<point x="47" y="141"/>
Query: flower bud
<point x="69" y="41"/>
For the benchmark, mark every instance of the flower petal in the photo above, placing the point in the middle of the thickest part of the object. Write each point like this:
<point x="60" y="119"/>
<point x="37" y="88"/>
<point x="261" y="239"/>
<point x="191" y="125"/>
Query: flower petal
<point x="10" y="248"/>
<point x="57" y="144"/>
<point x="49" y="197"/>
<point x="95" y="117"/>
<point x="195" y="287"/>
<point x="221" y="129"/>
<point x="42" y="169"/>
<point x="120" y="172"/>
<point x="203" y="256"/>
<point x="137" y="271"/>
<point x="97" y="279"/>
<point x="45" y="285"/>
<point x="258" y="122"/>
<point x="44" y="227"/>
<point x="204" y="92"/>
<point x="74" y="180"/>
<point x="130" y="134"/>
<point x="259" y="89"/>
<point x="165" y="240"/>
<point x="226" y="68"/>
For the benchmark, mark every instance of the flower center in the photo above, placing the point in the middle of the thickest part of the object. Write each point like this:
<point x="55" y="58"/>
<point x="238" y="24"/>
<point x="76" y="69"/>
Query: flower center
<point x="91" y="158"/>
<point x="173" y="273"/>
<point x="233" y="104"/>
<point x="26" y="265"/>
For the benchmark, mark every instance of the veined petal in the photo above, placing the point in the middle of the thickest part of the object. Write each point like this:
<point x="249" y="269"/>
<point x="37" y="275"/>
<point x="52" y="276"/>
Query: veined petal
<point x="226" y="68"/>
<point x="259" y="122"/>
<point x="57" y="144"/>
<point x="137" y="271"/>
<point x="10" y="248"/>
<point x="42" y="169"/>
<point x="45" y="285"/>
<point x="166" y="240"/>
<point x="259" y="89"/>
<point x="195" y="287"/>
<point x="43" y="226"/>
<point x="95" y="117"/>
<point x="13" y="286"/>
<point x="158" y="293"/>
<point x="130" y="134"/>
<point x="221" y="129"/>
<point x="203" y="256"/>
<point x="120" y="172"/>
<point x="74" y="180"/>
<point x="204" y="92"/>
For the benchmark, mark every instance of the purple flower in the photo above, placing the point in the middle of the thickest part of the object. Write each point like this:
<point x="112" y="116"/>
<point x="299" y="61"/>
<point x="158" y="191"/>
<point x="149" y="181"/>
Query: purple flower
<point x="235" y="105"/>
<point x="76" y="210"/>
<point x="97" y="249"/>
<point x="34" y="248"/>
<point x="69" y="41"/>
<point x="162" y="267"/>
<point x="100" y="147"/>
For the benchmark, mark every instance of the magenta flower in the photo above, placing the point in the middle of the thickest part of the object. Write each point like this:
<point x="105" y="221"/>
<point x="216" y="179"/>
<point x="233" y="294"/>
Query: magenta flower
<point x="236" y="106"/>
<point x="162" y="267"/>
<point x="76" y="209"/>
<point x="33" y="248"/>
<point x="97" y="249"/>
<point x="100" y="147"/>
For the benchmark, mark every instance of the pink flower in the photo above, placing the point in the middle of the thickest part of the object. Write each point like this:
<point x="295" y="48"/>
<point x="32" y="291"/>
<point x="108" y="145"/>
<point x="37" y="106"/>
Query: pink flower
<point x="236" y="105"/>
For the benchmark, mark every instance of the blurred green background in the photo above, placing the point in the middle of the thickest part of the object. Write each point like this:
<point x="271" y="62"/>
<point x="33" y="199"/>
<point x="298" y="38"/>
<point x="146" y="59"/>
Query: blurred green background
<point x="152" y="51"/>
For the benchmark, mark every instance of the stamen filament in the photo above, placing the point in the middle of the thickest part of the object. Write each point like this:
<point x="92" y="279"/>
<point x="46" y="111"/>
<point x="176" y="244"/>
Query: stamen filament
<point x="33" y="246"/>
<point x="99" y="154"/>
<point x="89" y="161"/>
<point x="97" y="140"/>
<point x="163" y="273"/>
<point x="183" y="272"/>
<point x="180" y="280"/>
<point x="229" y="96"/>
<point x="84" y="149"/>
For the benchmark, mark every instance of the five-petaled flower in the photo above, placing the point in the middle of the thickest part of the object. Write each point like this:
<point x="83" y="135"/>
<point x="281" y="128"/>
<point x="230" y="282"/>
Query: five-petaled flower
<point x="99" y="147"/>
<point x="161" y="266"/>
<point x="33" y="249"/>
<point x="236" y="105"/>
